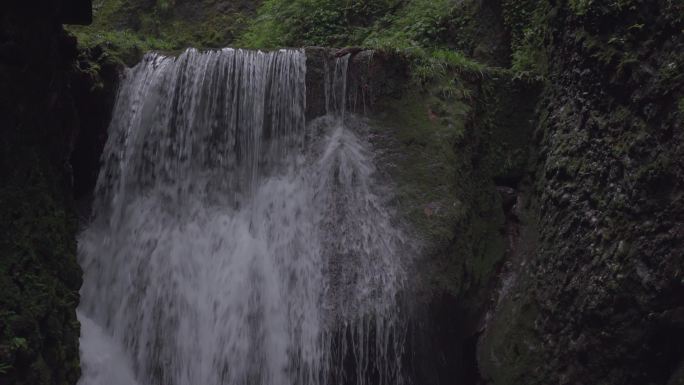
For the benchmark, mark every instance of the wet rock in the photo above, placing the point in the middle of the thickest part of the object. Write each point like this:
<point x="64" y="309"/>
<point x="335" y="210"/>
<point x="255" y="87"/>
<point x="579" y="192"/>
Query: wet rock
<point x="39" y="274"/>
<point x="606" y="171"/>
<point x="509" y="196"/>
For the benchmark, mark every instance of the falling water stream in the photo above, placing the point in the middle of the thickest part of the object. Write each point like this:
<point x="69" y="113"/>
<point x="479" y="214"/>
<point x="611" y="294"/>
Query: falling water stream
<point x="232" y="242"/>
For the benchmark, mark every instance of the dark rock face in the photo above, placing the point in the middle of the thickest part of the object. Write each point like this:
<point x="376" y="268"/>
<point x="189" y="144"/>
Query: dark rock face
<point x="94" y="85"/>
<point x="600" y="298"/>
<point x="39" y="274"/>
<point x="372" y="76"/>
<point x="317" y="58"/>
<point x="76" y="12"/>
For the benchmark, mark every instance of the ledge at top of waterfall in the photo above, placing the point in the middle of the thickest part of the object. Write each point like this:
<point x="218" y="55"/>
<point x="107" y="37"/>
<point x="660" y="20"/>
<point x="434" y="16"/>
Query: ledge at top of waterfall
<point x="231" y="246"/>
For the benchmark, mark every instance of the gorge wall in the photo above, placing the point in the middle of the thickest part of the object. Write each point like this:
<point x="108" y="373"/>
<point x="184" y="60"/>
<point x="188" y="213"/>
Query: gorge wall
<point x="39" y="275"/>
<point x="50" y="101"/>
<point x="599" y="296"/>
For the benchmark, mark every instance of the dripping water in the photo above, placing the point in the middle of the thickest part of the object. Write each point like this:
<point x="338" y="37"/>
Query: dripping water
<point x="231" y="242"/>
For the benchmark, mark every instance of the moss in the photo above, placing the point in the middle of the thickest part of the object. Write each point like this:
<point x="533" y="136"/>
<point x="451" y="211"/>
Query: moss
<point x="510" y="346"/>
<point x="449" y="138"/>
<point x="39" y="279"/>
<point x="580" y="7"/>
<point x="426" y="172"/>
<point x="607" y="171"/>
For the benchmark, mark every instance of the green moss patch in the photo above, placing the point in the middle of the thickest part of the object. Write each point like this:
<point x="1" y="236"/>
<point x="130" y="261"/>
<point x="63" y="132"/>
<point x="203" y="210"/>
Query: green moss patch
<point x="445" y="142"/>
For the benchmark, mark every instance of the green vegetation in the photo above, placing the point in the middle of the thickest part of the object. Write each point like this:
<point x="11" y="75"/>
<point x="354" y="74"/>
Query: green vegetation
<point x="125" y="46"/>
<point x="394" y="24"/>
<point x="128" y="28"/>
<point x="460" y="126"/>
<point x="440" y="66"/>
<point x="527" y="23"/>
<point x="429" y="30"/>
<point x="314" y="22"/>
<point x="424" y="131"/>
<point x="39" y="278"/>
<point x="580" y="7"/>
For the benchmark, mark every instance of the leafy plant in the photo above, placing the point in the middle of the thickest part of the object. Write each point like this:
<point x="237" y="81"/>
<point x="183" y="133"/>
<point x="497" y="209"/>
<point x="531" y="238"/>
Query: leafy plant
<point x="580" y="7"/>
<point x="395" y="24"/>
<point x="527" y="22"/>
<point x="18" y="343"/>
<point x="5" y="367"/>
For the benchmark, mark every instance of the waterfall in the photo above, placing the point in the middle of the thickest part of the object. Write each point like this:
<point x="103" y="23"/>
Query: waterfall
<point x="233" y="243"/>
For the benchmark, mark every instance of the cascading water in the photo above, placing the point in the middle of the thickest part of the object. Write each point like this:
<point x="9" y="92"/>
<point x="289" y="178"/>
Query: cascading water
<point x="231" y="242"/>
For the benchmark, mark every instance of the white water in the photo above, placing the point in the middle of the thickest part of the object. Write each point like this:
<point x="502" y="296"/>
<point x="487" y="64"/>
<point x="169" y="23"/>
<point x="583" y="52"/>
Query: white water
<point x="233" y="244"/>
